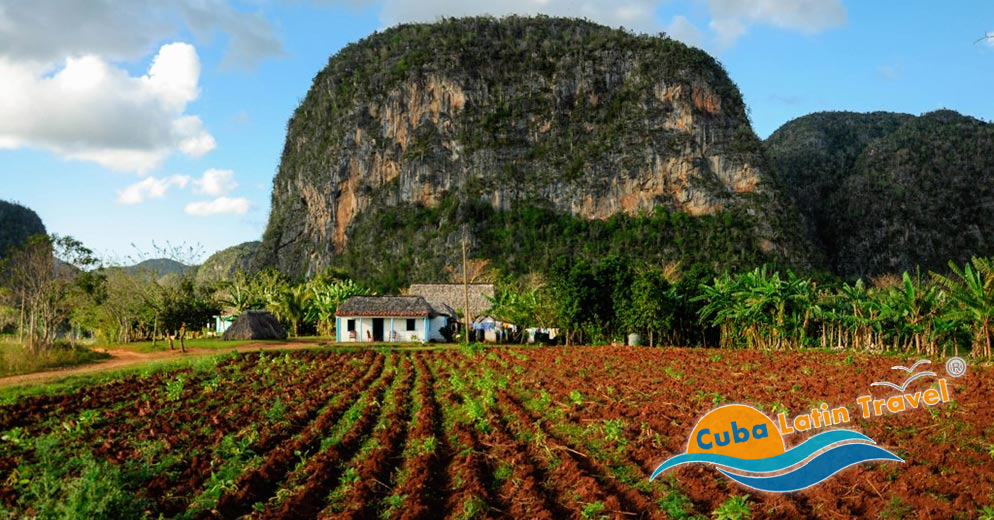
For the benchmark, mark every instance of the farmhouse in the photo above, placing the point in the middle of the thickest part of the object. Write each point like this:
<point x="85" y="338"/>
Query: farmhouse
<point x="391" y="318"/>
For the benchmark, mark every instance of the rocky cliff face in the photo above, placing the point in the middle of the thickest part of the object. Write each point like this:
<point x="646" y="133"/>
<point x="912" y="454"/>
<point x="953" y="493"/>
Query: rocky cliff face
<point x="564" y="115"/>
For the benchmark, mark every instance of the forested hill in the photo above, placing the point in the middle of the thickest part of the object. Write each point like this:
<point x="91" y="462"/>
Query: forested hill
<point x="226" y="262"/>
<point x="885" y="193"/>
<point x="537" y="138"/>
<point x="17" y="224"/>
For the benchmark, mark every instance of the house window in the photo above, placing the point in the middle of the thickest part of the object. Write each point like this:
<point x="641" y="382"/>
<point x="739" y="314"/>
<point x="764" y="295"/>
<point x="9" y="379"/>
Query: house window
<point x="350" y="324"/>
<point x="410" y="324"/>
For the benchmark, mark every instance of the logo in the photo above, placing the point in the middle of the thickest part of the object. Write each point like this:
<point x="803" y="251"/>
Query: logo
<point x="748" y="447"/>
<point x="740" y="439"/>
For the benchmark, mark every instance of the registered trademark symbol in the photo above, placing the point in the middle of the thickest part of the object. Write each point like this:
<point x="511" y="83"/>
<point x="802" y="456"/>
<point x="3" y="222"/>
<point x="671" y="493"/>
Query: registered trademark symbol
<point x="956" y="367"/>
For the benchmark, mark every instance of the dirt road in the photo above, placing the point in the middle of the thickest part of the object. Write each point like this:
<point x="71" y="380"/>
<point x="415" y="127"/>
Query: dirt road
<point x="126" y="358"/>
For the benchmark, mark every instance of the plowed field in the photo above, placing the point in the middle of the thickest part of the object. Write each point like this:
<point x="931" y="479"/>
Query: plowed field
<point x="506" y="433"/>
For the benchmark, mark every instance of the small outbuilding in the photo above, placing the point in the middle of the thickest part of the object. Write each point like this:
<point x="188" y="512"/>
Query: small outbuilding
<point x="255" y="325"/>
<point x="391" y="318"/>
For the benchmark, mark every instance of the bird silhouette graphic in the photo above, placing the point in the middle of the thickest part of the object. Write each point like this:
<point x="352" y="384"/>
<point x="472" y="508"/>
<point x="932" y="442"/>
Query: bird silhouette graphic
<point x="908" y="380"/>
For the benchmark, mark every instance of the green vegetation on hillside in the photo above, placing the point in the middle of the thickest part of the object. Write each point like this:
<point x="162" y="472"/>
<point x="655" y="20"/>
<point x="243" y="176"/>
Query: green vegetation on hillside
<point x="17" y="224"/>
<point x="886" y="193"/>
<point x="225" y="263"/>
<point x="159" y="267"/>
<point x="394" y="247"/>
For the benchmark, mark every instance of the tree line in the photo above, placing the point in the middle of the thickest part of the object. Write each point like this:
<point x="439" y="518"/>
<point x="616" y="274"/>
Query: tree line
<point x="54" y="289"/>
<point x="598" y="302"/>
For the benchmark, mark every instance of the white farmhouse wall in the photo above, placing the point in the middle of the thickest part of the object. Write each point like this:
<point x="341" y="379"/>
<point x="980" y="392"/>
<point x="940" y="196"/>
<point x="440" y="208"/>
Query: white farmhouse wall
<point x="394" y="329"/>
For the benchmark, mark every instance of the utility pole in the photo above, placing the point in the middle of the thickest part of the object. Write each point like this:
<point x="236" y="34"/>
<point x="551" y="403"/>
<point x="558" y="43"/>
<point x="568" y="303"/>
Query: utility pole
<point x="465" y="288"/>
<point x="20" y="325"/>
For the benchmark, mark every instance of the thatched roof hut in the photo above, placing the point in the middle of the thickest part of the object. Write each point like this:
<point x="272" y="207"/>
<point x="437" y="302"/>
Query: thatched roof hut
<point x="452" y="295"/>
<point x="255" y="325"/>
<point x="395" y="306"/>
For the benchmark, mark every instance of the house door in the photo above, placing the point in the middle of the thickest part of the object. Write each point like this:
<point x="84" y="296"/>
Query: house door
<point x="377" y="329"/>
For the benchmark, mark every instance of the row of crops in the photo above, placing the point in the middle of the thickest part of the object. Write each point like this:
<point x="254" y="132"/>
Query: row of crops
<point x="459" y="433"/>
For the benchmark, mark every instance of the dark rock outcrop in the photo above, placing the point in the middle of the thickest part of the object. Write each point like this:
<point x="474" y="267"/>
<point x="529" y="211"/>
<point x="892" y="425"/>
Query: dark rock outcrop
<point x="17" y="225"/>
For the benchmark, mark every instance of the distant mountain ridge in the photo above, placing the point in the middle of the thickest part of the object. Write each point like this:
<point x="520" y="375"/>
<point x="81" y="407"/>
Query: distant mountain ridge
<point x="159" y="267"/>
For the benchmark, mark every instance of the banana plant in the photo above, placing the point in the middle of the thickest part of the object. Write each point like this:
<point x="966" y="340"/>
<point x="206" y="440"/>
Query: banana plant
<point x="290" y="305"/>
<point x="971" y="294"/>
<point x="325" y="299"/>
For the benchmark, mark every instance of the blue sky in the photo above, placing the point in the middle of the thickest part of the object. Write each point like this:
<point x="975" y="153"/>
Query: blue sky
<point x="128" y="122"/>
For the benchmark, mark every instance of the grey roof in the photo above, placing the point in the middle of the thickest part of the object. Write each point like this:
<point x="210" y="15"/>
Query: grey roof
<point x="402" y="306"/>
<point x="451" y="294"/>
<point x="442" y="309"/>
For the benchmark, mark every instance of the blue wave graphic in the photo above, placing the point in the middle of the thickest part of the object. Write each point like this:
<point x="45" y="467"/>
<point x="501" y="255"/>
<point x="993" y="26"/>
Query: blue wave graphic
<point x="777" y="463"/>
<point x="821" y="467"/>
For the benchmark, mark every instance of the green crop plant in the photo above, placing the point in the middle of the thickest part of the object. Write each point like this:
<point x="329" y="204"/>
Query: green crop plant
<point x="735" y="508"/>
<point x="174" y="388"/>
<point x="429" y="445"/>
<point x="391" y="505"/>
<point x="670" y="371"/>
<point x="474" y="507"/>
<point x="503" y="472"/>
<point x="594" y="510"/>
<point x="677" y="505"/>
<point x="15" y="436"/>
<point x="896" y="509"/>
<point x="277" y="411"/>
<point x="614" y="431"/>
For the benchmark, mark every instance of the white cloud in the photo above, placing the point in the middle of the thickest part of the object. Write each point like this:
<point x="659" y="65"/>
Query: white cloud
<point x="90" y="110"/>
<point x="150" y="188"/>
<point x="727" y="31"/>
<point x="47" y="32"/>
<point x="218" y="206"/>
<point x="251" y="37"/>
<point x="215" y="182"/>
<point x="680" y="28"/>
<point x="731" y="18"/>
